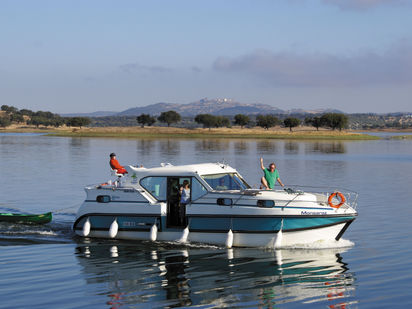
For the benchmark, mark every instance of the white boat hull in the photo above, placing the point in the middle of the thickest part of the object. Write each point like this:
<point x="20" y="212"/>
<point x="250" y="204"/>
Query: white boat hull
<point x="266" y="240"/>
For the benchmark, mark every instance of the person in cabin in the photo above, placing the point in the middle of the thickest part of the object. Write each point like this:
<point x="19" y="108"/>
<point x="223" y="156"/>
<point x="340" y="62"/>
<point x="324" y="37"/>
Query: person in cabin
<point x="184" y="199"/>
<point x="221" y="185"/>
<point x="271" y="176"/>
<point x="114" y="164"/>
<point x="185" y="192"/>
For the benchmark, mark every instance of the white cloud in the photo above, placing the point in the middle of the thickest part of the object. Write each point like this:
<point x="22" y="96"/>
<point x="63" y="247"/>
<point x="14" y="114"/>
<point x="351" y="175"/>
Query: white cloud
<point x="319" y="70"/>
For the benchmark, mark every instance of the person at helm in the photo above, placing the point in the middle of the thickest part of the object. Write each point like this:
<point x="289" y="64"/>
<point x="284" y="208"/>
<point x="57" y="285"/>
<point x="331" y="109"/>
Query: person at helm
<point x="114" y="164"/>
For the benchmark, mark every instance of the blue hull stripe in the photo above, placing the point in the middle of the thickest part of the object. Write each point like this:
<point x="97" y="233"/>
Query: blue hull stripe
<point x="126" y="222"/>
<point x="262" y="224"/>
<point x="282" y="207"/>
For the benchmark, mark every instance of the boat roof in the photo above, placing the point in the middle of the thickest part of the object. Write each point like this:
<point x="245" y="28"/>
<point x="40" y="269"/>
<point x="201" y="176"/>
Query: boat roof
<point x="183" y="170"/>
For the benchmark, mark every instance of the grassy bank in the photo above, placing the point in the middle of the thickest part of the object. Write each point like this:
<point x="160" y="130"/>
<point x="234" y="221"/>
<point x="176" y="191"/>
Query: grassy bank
<point x="255" y="133"/>
<point x="401" y="137"/>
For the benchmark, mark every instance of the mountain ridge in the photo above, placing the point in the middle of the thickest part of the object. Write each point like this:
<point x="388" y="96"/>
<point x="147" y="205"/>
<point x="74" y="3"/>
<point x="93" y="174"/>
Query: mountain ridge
<point x="226" y="107"/>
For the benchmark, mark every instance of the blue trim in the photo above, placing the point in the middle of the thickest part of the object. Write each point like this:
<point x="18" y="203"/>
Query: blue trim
<point x="126" y="222"/>
<point x="215" y="224"/>
<point x="251" y="205"/>
<point x="139" y="202"/>
<point x="262" y="224"/>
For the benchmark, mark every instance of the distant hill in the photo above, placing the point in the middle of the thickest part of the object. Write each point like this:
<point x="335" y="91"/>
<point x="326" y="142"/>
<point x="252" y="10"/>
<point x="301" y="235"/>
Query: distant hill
<point x="227" y="107"/>
<point x="314" y="111"/>
<point x="153" y="109"/>
<point x="204" y="106"/>
<point x="94" y="114"/>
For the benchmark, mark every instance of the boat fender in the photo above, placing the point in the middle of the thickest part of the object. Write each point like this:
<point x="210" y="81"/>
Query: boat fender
<point x="229" y="239"/>
<point x="185" y="235"/>
<point x="278" y="241"/>
<point x="153" y="232"/>
<point x="279" y="237"/>
<point x="86" y="228"/>
<point x="340" y="196"/>
<point x="114" y="228"/>
<point x="114" y="253"/>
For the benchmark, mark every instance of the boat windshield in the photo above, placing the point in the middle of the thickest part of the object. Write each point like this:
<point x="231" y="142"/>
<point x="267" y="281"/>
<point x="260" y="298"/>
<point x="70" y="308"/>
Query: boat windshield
<point x="228" y="181"/>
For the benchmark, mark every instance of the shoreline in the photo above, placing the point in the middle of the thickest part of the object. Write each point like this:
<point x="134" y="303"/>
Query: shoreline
<point x="302" y="133"/>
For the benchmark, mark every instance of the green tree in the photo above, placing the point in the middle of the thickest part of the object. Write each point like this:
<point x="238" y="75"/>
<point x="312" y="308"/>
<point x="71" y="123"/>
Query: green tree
<point x="145" y="119"/>
<point x="78" y="121"/>
<point x="57" y="122"/>
<point x="222" y="121"/>
<point x="169" y="117"/>
<point x="206" y="120"/>
<point x="48" y="115"/>
<point x="291" y="122"/>
<point x="37" y="121"/>
<point x="314" y="122"/>
<point x="266" y="121"/>
<point x="241" y="120"/>
<point x="5" y="122"/>
<point x="17" y="117"/>
<point x="334" y="120"/>
<point x="26" y="112"/>
<point x="9" y="109"/>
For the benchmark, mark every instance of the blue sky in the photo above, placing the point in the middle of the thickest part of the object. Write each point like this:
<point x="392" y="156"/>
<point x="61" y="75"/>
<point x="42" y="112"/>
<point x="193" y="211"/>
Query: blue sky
<point x="85" y="56"/>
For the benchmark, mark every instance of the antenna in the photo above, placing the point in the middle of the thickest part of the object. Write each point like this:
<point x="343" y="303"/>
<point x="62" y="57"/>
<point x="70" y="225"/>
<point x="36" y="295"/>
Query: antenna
<point x="223" y="164"/>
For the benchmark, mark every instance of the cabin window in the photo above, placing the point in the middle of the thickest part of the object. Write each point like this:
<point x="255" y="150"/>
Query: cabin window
<point x="228" y="181"/>
<point x="103" y="199"/>
<point x="198" y="190"/>
<point x="266" y="203"/>
<point x="156" y="186"/>
<point x="224" y="201"/>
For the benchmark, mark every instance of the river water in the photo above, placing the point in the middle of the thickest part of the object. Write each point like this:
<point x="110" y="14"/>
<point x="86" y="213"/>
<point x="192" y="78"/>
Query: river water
<point x="47" y="267"/>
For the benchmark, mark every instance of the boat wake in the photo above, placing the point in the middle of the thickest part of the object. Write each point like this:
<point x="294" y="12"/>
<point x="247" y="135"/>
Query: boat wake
<point x="29" y="232"/>
<point x="318" y="245"/>
<point x="176" y="244"/>
<point x="323" y="244"/>
<point x="21" y="234"/>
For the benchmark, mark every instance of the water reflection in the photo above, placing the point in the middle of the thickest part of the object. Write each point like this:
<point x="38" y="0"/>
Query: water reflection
<point x="266" y="146"/>
<point x="291" y="147"/>
<point x="325" y="147"/>
<point x="241" y="147"/>
<point x="167" y="276"/>
<point x="145" y="146"/>
<point x="171" y="147"/>
<point x="212" y="145"/>
<point x="78" y="146"/>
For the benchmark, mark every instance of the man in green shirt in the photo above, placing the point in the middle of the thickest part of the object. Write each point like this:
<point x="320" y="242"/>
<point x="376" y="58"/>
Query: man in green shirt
<point x="271" y="176"/>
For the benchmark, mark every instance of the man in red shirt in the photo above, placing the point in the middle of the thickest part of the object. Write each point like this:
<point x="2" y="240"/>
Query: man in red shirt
<point x="114" y="164"/>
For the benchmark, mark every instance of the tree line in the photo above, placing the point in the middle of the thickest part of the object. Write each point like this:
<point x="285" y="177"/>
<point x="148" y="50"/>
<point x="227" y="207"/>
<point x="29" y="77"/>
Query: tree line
<point x="328" y="120"/>
<point x="25" y="116"/>
<point x="12" y="114"/>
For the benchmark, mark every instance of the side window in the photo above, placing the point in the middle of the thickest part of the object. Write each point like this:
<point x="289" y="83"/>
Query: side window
<point x="221" y="182"/>
<point x="198" y="190"/>
<point x="156" y="186"/>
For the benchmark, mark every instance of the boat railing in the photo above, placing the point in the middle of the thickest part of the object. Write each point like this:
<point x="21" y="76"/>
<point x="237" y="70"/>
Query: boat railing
<point x="324" y="192"/>
<point x="113" y="186"/>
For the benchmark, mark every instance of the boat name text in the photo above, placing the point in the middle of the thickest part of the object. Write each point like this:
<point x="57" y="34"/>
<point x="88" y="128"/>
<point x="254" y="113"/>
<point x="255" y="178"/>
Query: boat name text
<point x="311" y="213"/>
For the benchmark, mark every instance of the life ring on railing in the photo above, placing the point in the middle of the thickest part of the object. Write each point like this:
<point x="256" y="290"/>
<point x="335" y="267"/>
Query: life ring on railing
<point x="341" y="197"/>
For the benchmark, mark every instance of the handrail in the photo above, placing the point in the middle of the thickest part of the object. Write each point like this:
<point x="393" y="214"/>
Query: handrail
<point x="351" y="196"/>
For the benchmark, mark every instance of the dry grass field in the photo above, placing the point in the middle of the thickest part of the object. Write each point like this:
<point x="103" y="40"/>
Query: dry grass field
<point x="172" y="132"/>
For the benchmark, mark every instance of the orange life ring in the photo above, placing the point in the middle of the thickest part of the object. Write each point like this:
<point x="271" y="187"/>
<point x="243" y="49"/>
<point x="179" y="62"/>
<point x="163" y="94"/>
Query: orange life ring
<point x="341" y="197"/>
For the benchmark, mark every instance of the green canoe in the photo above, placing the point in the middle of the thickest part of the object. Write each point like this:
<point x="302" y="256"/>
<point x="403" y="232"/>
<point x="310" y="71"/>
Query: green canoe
<point x="25" y="218"/>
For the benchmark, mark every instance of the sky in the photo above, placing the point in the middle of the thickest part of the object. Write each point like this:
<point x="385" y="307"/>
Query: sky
<point x="72" y="56"/>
